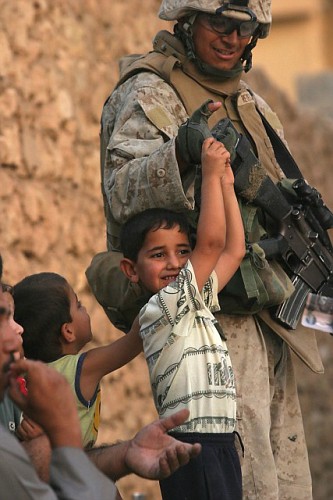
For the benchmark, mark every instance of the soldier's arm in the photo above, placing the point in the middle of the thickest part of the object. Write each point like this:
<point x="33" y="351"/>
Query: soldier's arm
<point x="139" y="126"/>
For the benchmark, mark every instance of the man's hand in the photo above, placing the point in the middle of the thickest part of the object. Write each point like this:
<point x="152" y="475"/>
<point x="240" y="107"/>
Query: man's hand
<point x="153" y="454"/>
<point x="193" y="132"/>
<point x="49" y="401"/>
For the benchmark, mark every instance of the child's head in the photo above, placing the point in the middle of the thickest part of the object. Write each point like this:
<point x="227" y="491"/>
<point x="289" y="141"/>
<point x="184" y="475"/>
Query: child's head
<point x="52" y="317"/>
<point x="10" y="336"/>
<point x="12" y="326"/>
<point x="156" y="245"/>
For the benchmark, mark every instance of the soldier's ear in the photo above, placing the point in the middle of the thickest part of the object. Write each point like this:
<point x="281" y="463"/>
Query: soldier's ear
<point x="128" y="267"/>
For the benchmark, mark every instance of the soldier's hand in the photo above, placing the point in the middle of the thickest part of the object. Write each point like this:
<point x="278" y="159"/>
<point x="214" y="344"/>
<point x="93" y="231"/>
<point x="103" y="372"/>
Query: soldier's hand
<point x="193" y="132"/>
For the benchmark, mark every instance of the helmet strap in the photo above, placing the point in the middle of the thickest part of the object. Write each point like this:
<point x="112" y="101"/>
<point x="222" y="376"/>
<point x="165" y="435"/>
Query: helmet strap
<point x="183" y="31"/>
<point x="247" y="54"/>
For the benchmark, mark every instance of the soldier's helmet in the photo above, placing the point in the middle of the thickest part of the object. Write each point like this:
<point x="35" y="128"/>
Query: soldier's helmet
<point x="171" y="10"/>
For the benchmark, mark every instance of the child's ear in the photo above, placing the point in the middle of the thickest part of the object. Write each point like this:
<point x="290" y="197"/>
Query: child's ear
<point x="129" y="269"/>
<point x="67" y="333"/>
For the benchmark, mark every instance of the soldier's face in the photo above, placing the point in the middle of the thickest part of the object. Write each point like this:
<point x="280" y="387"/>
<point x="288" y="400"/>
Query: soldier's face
<point x="219" y="51"/>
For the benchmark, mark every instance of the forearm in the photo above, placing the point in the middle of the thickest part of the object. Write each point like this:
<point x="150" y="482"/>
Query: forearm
<point x="211" y="231"/>
<point x="39" y="451"/>
<point x="234" y="251"/>
<point x="110" y="459"/>
<point x="235" y="239"/>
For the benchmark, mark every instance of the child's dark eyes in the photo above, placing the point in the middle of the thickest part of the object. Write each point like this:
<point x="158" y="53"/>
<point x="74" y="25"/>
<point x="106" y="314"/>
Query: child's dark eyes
<point x="158" y="255"/>
<point x="5" y="312"/>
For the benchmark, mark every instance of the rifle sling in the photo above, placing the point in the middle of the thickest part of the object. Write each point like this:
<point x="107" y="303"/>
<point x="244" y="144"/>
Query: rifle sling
<point x="282" y="154"/>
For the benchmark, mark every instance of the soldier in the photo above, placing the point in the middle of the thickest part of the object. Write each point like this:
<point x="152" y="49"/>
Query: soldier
<point x="148" y="159"/>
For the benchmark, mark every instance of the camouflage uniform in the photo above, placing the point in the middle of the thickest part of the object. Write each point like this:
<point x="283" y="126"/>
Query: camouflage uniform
<point x="139" y="124"/>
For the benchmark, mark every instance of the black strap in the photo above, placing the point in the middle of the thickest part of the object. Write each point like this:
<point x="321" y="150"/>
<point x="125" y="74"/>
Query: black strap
<point x="282" y="154"/>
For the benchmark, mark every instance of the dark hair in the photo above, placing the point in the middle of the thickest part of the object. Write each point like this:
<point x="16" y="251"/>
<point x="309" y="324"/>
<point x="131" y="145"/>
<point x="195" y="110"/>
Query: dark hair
<point x="42" y="306"/>
<point x="4" y="287"/>
<point x="134" y="231"/>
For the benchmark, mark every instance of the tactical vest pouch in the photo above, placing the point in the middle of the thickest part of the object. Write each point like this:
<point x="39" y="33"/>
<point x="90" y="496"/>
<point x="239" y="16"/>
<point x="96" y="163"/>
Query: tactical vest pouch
<point x="258" y="283"/>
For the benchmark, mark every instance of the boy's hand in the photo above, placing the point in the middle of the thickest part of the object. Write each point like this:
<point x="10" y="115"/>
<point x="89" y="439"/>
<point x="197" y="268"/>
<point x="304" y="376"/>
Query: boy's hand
<point x="214" y="158"/>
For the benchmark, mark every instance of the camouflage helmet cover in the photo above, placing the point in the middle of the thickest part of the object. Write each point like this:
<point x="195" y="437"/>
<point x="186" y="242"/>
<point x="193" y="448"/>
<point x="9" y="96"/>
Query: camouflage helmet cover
<point x="175" y="9"/>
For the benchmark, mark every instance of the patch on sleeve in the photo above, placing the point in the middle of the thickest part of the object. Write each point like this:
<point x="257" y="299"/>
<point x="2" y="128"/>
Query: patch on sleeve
<point x="158" y="117"/>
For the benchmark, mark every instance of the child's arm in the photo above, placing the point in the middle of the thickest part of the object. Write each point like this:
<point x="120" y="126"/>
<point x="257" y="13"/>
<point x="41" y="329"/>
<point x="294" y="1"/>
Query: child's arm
<point x="103" y="360"/>
<point x="211" y="229"/>
<point x="234" y="249"/>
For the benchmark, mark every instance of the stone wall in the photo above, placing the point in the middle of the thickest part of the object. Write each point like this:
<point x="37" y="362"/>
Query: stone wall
<point x="58" y="65"/>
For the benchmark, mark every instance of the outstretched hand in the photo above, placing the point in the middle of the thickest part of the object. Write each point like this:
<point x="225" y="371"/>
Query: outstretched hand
<point x="153" y="454"/>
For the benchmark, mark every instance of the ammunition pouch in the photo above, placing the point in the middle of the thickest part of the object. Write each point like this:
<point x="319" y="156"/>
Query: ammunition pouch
<point x="258" y="283"/>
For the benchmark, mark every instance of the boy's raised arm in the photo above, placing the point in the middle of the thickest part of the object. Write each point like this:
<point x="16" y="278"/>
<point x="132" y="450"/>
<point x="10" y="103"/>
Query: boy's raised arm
<point x="234" y="249"/>
<point x="211" y="231"/>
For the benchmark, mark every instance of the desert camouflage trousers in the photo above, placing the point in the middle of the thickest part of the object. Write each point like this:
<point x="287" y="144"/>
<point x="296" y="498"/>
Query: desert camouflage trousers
<point x="275" y="464"/>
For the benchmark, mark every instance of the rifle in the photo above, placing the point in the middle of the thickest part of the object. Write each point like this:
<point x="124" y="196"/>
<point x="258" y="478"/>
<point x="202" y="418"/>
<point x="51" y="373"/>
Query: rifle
<point x="299" y="239"/>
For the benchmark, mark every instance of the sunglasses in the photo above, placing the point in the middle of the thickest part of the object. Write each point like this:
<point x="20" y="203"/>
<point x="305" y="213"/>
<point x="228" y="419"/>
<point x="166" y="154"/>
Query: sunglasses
<point x="225" y="26"/>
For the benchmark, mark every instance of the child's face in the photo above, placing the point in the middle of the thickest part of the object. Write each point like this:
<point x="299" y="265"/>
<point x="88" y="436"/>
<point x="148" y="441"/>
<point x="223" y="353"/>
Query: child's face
<point x="163" y="254"/>
<point x="10" y="326"/>
<point x="80" y="320"/>
<point x="10" y="337"/>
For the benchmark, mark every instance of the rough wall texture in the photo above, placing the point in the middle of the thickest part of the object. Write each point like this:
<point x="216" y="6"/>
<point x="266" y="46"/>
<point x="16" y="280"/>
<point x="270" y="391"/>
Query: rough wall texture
<point x="58" y="64"/>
